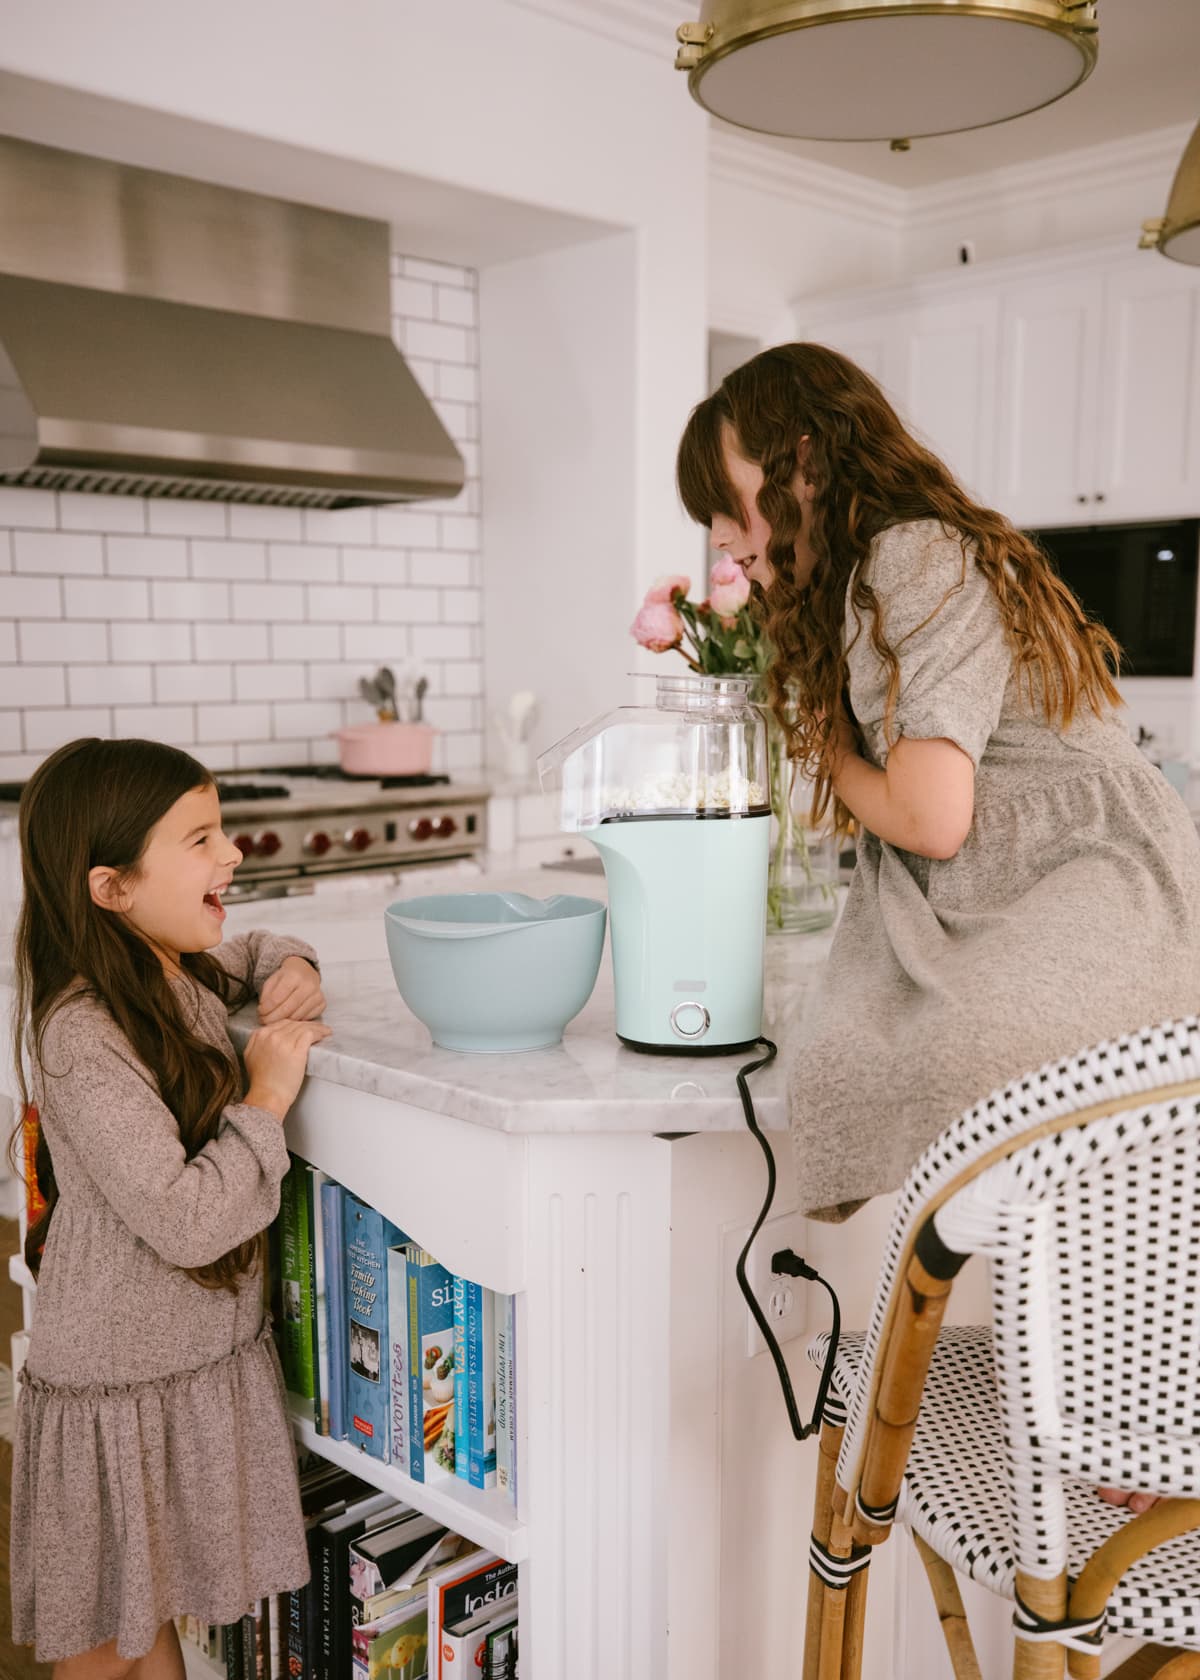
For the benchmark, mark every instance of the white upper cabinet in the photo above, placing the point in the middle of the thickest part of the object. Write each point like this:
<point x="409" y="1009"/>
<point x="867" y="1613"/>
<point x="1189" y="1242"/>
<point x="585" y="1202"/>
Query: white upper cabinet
<point x="1148" y="454"/>
<point x="1061" y="393"/>
<point x="1049" y="350"/>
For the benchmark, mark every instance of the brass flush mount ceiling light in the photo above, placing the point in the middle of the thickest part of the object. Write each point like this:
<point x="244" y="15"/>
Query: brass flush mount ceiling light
<point x="1177" y="234"/>
<point x="875" y="69"/>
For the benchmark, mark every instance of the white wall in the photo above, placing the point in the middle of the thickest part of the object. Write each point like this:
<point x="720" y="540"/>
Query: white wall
<point x="240" y="632"/>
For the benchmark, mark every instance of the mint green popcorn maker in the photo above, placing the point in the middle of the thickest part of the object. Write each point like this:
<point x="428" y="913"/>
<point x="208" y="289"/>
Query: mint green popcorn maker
<point x="675" y="798"/>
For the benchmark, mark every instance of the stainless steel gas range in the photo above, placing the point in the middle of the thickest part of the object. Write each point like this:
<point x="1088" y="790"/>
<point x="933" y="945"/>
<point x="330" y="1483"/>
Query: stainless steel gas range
<point x="296" y="827"/>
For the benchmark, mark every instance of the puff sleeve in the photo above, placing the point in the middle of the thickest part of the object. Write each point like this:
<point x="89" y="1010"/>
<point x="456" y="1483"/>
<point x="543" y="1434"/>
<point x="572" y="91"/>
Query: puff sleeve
<point x="940" y="616"/>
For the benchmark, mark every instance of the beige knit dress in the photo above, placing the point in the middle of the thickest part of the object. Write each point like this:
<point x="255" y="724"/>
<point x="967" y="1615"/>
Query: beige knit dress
<point x="1070" y="914"/>
<point x="153" y="1468"/>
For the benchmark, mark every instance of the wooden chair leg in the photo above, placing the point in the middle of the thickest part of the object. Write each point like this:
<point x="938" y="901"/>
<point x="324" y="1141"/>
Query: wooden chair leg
<point x="1048" y="1599"/>
<point x="943" y="1584"/>
<point x="854" y="1625"/>
<point x="830" y="1446"/>
<point x="1186" y="1666"/>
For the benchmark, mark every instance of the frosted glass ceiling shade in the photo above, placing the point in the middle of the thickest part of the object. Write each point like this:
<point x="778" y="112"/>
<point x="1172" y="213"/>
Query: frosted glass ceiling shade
<point x="1177" y="234"/>
<point x="884" y="69"/>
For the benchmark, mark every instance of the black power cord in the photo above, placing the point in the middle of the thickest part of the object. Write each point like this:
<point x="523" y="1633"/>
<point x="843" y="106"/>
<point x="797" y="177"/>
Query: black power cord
<point x="784" y="1261"/>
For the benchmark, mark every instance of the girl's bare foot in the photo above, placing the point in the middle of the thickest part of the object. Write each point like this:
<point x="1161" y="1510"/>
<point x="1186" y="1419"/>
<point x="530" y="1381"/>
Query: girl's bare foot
<point x="1135" y="1502"/>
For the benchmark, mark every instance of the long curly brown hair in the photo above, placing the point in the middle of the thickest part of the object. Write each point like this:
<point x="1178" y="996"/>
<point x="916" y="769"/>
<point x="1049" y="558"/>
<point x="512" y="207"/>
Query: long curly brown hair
<point x="94" y="803"/>
<point x="868" y="473"/>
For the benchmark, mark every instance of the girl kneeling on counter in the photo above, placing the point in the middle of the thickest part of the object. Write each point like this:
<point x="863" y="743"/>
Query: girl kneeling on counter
<point x="1026" y="883"/>
<point x="153" y="1470"/>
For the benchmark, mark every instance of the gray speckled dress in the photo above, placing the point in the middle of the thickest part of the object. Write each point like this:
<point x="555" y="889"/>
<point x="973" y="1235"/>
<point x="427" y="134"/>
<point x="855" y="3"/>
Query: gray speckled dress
<point x="1070" y="914"/>
<point x="153" y="1469"/>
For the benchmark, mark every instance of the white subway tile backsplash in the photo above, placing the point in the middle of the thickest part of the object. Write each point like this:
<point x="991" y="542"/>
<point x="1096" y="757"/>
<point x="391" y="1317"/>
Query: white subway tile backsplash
<point x="435" y="342"/>
<point x="448" y="571"/>
<point x="150" y="641"/>
<point x="26" y="597"/>
<point x="384" y="643"/>
<point x="413" y="299"/>
<point x="441" y="641"/>
<point x="55" y="551"/>
<point x="461" y="531"/>
<point x="32" y="685"/>
<point x="267" y="601"/>
<point x="28" y="509"/>
<point x="274" y="681"/>
<point x="403" y="527"/>
<point x="306" y="641"/>
<point x="109" y="685"/>
<point x="148" y="557"/>
<point x="18" y="767"/>
<point x="352" y="527"/>
<point x="341" y="604"/>
<point x="295" y="563"/>
<point x="247" y="628"/>
<point x="190" y="600"/>
<point x="176" y="725"/>
<point x="232" y="723"/>
<point x="265" y="524"/>
<point x="462" y="606"/>
<point x="456" y="305"/>
<point x="187" y="519"/>
<point x="46" y="730"/>
<point x="82" y="512"/>
<point x="231" y="641"/>
<point x="305" y="720"/>
<point x="193" y="682"/>
<point x="106" y="598"/>
<point x="55" y="643"/>
<point x="239" y="562"/>
<point x="407" y="606"/>
<point x="376" y="565"/>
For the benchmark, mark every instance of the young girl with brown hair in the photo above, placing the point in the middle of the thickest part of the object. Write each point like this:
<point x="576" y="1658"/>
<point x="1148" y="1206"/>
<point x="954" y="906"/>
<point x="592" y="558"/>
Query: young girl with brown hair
<point x="153" y="1470"/>
<point x="1026" y="882"/>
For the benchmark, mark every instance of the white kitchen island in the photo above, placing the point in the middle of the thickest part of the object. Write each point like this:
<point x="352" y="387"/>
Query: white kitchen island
<point x="609" y="1191"/>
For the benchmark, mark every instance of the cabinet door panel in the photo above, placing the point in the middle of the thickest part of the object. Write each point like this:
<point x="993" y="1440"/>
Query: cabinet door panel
<point x="875" y="343"/>
<point x="1048" y="386"/>
<point x="950" y="395"/>
<point x="1149" y="457"/>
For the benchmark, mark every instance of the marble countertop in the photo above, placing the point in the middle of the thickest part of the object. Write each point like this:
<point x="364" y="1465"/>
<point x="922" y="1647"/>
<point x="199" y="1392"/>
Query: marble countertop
<point x="588" y="1083"/>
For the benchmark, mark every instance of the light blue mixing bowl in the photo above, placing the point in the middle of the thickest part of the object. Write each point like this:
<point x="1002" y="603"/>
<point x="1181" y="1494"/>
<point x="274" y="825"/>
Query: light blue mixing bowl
<point x="490" y="972"/>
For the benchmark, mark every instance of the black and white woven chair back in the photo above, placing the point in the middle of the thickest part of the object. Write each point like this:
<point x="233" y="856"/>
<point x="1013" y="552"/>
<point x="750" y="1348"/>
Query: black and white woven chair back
<point x="1093" y="1233"/>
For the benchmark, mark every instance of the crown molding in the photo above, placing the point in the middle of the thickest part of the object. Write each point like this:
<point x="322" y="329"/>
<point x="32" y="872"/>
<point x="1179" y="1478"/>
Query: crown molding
<point x="649" y="25"/>
<point x="1112" y="163"/>
<point x="817" y="186"/>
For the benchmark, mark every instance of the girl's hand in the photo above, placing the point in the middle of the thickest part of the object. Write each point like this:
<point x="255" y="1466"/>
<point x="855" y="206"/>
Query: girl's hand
<point x="276" y="1058"/>
<point x="292" y="993"/>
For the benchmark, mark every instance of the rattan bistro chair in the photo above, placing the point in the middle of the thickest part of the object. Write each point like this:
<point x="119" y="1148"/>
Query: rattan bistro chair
<point x="1081" y="1184"/>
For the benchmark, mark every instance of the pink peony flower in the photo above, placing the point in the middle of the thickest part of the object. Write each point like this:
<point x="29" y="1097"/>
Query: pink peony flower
<point x="657" y="626"/>
<point x="666" y="588"/>
<point x="728" y="588"/>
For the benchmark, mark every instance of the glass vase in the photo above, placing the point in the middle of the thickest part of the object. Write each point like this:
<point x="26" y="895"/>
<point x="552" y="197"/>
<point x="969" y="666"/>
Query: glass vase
<point x="802" y="875"/>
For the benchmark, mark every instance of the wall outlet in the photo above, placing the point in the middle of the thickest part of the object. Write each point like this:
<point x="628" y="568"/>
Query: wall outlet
<point x="783" y="1299"/>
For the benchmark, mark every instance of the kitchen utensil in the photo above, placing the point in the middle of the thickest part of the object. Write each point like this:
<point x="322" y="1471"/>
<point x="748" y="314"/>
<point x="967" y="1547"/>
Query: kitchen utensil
<point x="386" y="749"/>
<point x="490" y="972"/>
<point x="419" y="693"/>
<point x="675" y="797"/>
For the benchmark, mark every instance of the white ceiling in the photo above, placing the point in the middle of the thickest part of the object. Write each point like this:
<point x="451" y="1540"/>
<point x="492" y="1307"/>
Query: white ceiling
<point x="1148" y="77"/>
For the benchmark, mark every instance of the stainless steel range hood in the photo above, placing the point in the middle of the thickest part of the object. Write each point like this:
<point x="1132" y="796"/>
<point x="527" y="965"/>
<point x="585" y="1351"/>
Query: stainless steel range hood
<point x="164" y="337"/>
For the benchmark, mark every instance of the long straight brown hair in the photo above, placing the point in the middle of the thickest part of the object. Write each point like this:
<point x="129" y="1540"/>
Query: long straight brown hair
<point x="95" y="803"/>
<point x="868" y="473"/>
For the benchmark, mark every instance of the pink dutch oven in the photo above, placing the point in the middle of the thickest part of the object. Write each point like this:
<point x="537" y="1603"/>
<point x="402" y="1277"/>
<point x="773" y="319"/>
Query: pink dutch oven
<point x="386" y="749"/>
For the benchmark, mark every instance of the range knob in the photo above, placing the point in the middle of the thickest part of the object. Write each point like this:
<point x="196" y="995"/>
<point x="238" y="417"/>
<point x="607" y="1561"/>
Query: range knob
<point x="317" y="843"/>
<point x="445" y="828"/>
<point x="266" y="843"/>
<point x="357" y="839"/>
<point x="421" y="828"/>
<point x="245" y="844"/>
